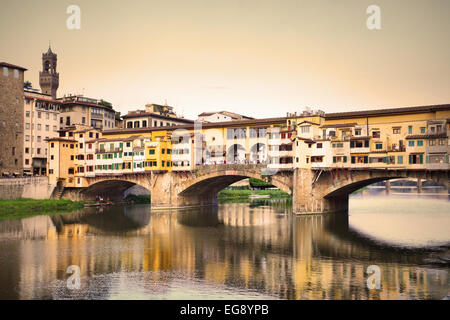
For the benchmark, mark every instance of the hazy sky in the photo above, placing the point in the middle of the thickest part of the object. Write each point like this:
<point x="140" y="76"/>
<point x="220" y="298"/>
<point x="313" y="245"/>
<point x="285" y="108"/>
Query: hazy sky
<point x="256" y="57"/>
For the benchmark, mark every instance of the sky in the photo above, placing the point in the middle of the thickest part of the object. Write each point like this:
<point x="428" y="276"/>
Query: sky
<point x="260" y="58"/>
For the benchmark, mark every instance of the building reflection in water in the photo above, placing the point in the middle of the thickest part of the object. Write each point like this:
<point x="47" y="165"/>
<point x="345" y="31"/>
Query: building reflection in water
<point x="237" y="249"/>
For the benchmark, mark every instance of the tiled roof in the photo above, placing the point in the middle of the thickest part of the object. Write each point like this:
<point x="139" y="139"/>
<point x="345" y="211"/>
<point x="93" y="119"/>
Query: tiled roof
<point x="427" y="136"/>
<point x="339" y="125"/>
<point x="60" y="139"/>
<point x="9" y="65"/>
<point x="155" y="115"/>
<point x="226" y="113"/>
<point x="381" y="112"/>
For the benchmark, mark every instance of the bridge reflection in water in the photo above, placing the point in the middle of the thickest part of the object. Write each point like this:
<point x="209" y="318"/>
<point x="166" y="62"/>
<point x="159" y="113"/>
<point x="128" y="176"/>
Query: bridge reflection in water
<point x="236" y="250"/>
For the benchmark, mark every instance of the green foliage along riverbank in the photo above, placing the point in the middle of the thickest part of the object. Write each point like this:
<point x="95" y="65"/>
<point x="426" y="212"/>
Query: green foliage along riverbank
<point x="142" y="198"/>
<point x="22" y="207"/>
<point x="231" y="193"/>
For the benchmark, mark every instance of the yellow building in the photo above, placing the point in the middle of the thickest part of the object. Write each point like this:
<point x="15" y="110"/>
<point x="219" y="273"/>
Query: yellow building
<point x="158" y="152"/>
<point x="61" y="161"/>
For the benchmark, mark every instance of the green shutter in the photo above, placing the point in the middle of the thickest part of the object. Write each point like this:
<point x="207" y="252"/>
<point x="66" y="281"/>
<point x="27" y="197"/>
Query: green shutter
<point x="421" y="158"/>
<point x="345" y="158"/>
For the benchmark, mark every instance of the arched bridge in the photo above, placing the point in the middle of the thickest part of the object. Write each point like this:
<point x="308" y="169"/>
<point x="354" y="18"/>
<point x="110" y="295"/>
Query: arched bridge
<point x="184" y="188"/>
<point x="313" y="190"/>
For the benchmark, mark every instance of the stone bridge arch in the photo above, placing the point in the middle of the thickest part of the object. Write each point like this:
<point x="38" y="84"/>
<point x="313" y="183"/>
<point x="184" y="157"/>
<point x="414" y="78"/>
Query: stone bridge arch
<point x="111" y="187"/>
<point x="205" y="187"/>
<point x="201" y="186"/>
<point x="319" y="191"/>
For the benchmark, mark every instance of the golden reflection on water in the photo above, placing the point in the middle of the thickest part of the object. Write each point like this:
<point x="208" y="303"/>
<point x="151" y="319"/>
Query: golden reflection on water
<point x="236" y="250"/>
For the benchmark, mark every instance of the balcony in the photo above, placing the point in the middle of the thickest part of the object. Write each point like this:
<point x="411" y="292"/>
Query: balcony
<point x="109" y="150"/>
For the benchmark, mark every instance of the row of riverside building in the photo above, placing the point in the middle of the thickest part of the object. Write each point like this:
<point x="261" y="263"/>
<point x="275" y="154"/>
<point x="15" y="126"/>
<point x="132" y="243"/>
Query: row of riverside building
<point x="29" y="117"/>
<point x="74" y="137"/>
<point x="398" y="138"/>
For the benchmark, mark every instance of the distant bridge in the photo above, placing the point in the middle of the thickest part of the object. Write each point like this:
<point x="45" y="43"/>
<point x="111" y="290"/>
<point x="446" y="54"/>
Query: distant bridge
<point x="313" y="190"/>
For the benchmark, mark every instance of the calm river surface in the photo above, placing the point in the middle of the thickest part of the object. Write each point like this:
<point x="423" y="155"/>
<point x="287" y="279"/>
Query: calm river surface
<point x="255" y="250"/>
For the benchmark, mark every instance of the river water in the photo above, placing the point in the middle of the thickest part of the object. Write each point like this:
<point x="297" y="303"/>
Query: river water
<point x="256" y="250"/>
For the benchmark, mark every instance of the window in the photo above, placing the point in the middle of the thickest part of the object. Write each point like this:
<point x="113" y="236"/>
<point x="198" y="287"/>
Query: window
<point x="396" y="130"/>
<point x="5" y="71"/>
<point x="27" y="114"/>
<point x="419" y="143"/>
<point x="441" y="142"/>
<point x="400" y="159"/>
<point x="38" y="139"/>
<point x="416" y="159"/>
<point x="27" y="126"/>
<point x="151" y="151"/>
<point x="47" y="115"/>
<point x="409" y="129"/>
<point x="38" y="151"/>
<point x="54" y="116"/>
<point x="27" y="150"/>
<point x="357" y="132"/>
<point x="422" y="130"/>
<point x="319" y="145"/>
<point x="375" y="134"/>
<point x="304" y="129"/>
<point x="47" y="127"/>
<point x="52" y="145"/>
<point x="39" y="126"/>
<point x="16" y="73"/>
<point x="432" y="142"/>
<point x="83" y="120"/>
<point x="411" y="143"/>
<point x="379" y="146"/>
<point x="54" y="128"/>
<point x="39" y="114"/>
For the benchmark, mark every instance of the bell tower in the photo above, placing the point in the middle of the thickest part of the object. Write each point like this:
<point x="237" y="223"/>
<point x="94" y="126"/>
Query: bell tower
<point x="48" y="77"/>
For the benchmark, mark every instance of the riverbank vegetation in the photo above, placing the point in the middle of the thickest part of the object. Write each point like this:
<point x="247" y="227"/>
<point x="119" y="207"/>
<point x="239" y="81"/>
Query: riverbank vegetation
<point x="245" y="192"/>
<point x="23" y="207"/>
<point x="138" y="199"/>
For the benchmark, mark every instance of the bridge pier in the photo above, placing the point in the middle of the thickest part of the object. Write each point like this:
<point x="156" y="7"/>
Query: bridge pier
<point x="308" y="195"/>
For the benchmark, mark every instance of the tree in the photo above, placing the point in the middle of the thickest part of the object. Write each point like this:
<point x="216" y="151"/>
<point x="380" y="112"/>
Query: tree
<point x="105" y="104"/>
<point x="27" y="85"/>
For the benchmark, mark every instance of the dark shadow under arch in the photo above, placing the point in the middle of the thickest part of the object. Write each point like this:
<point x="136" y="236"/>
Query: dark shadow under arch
<point x="107" y="189"/>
